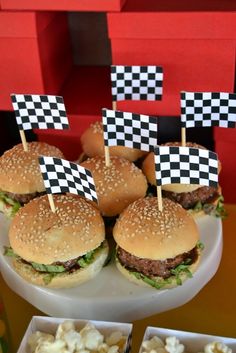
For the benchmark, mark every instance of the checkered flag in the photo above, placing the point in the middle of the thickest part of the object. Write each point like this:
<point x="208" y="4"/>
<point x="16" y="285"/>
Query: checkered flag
<point x="39" y="112"/>
<point x="62" y="176"/>
<point x="208" y="109"/>
<point x="130" y="130"/>
<point x="136" y="83"/>
<point x="185" y="165"/>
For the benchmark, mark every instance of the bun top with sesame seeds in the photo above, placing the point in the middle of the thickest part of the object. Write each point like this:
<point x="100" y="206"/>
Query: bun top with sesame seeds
<point x="38" y="235"/>
<point x="19" y="170"/>
<point x="93" y="144"/>
<point x="144" y="231"/>
<point x="117" y="185"/>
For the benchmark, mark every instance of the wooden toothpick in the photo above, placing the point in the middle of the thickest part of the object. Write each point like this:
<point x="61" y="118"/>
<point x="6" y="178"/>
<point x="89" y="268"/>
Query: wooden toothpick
<point x="23" y="140"/>
<point x="183" y="136"/>
<point x="114" y="105"/>
<point x="107" y="156"/>
<point x="159" y="198"/>
<point x="51" y="202"/>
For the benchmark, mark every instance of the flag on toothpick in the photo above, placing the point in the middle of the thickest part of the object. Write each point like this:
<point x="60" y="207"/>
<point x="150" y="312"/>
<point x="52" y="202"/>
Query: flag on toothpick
<point x="185" y="165"/>
<point x="136" y="82"/>
<point x="203" y="109"/>
<point x="62" y="176"/>
<point x="129" y="129"/>
<point x="39" y="112"/>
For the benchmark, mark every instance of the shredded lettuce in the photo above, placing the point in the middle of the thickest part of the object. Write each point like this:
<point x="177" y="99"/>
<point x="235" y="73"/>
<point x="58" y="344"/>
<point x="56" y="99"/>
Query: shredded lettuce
<point x="48" y="268"/>
<point x="8" y="251"/>
<point x="159" y="283"/>
<point x="54" y="270"/>
<point x="111" y="257"/>
<point x="88" y="258"/>
<point x="200" y="245"/>
<point x="8" y="206"/>
<point x="156" y="283"/>
<point x="180" y="269"/>
<point x="217" y="210"/>
<point x="48" y="278"/>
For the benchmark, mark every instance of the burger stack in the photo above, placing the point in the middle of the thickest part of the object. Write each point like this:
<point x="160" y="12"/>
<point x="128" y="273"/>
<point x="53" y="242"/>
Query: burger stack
<point x="66" y="248"/>
<point x="155" y="248"/>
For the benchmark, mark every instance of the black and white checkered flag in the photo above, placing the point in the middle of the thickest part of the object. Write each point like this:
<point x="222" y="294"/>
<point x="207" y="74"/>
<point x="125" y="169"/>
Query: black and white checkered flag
<point x="62" y="176"/>
<point x="208" y="109"/>
<point x="185" y="165"/>
<point x="130" y="130"/>
<point x="136" y="83"/>
<point x="39" y="112"/>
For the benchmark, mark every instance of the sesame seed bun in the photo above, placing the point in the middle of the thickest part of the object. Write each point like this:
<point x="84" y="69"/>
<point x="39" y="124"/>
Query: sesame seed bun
<point x="93" y="144"/>
<point x="64" y="280"/>
<point x="117" y="185"/>
<point x="172" y="281"/>
<point x="38" y="235"/>
<point x="19" y="170"/>
<point x="145" y="232"/>
<point x="152" y="244"/>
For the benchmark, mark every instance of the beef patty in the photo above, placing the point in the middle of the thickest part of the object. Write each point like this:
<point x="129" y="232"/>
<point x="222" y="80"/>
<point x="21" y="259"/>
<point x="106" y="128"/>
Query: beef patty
<point x="154" y="268"/>
<point x="205" y="194"/>
<point x="24" y="198"/>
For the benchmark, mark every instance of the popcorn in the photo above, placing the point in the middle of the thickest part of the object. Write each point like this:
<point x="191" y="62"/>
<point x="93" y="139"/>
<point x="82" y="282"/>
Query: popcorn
<point x="58" y="346"/>
<point x="66" y="326"/>
<point x="173" y="345"/>
<point x="68" y="340"/>
<point x="114" y="338"/>
<point x="36" y="338"/>
<point x="92" y="339"/>
<point x="154" y="345"/>
<point x="217" y="347"/>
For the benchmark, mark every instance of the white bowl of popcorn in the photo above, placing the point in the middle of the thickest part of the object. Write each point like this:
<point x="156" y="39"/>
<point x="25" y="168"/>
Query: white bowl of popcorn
<point x="161" y="340"/>
<point x="59" y="335"/>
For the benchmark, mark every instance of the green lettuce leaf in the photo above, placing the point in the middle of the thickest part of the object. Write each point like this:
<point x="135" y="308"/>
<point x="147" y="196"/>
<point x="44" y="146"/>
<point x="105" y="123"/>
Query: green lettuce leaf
<point x="200" y="245"/>
<point x="82" y="262"/>
<point x="48" y="268"/>
<point x="180" y="269"/>
<point x="111" y="257"/>
<point x="159" y="283"/>
<point x="48" y="277"/>
<point x="156" y="283"/>
<point x="217" y="210"/>
<point x="54" y="270"/>
<point x="8" y="206"/>
<point x="8" y="251"/>
<point x="88" y="258"/>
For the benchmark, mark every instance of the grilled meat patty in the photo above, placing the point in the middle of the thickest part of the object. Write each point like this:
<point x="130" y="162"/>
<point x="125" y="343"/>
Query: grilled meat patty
<point x="188" y="200"/>
<point x="154" y="268"/>
<point x="24" y="198"/>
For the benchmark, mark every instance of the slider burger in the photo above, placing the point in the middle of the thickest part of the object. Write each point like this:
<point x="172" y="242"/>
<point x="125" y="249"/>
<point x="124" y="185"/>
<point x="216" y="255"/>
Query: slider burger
<point x="20" y="176"/>
<point x="61" y="249"/>
<point x="117" y="185"/>
<point x="93" y="145"/>
<point x="198" y="199"/>
<point x="157" y="249"/>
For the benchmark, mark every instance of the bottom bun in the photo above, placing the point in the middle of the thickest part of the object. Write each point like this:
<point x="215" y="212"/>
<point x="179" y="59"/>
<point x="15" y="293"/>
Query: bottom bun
<point x="65" y="279"/>
<point x="128" y="274"/>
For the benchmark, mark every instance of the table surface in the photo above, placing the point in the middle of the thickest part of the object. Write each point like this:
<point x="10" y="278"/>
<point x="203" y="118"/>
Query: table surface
<point x="212" y="311"/>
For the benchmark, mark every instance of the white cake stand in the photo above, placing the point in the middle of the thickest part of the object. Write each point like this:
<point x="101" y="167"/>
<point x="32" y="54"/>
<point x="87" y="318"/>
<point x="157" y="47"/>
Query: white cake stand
<point x="110" y="296"/>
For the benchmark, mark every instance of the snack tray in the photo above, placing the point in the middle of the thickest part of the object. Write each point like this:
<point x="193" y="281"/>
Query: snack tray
<point x="50" y="324"/>
<point x="110" y="296"/>
<point x="193" y="342"/>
